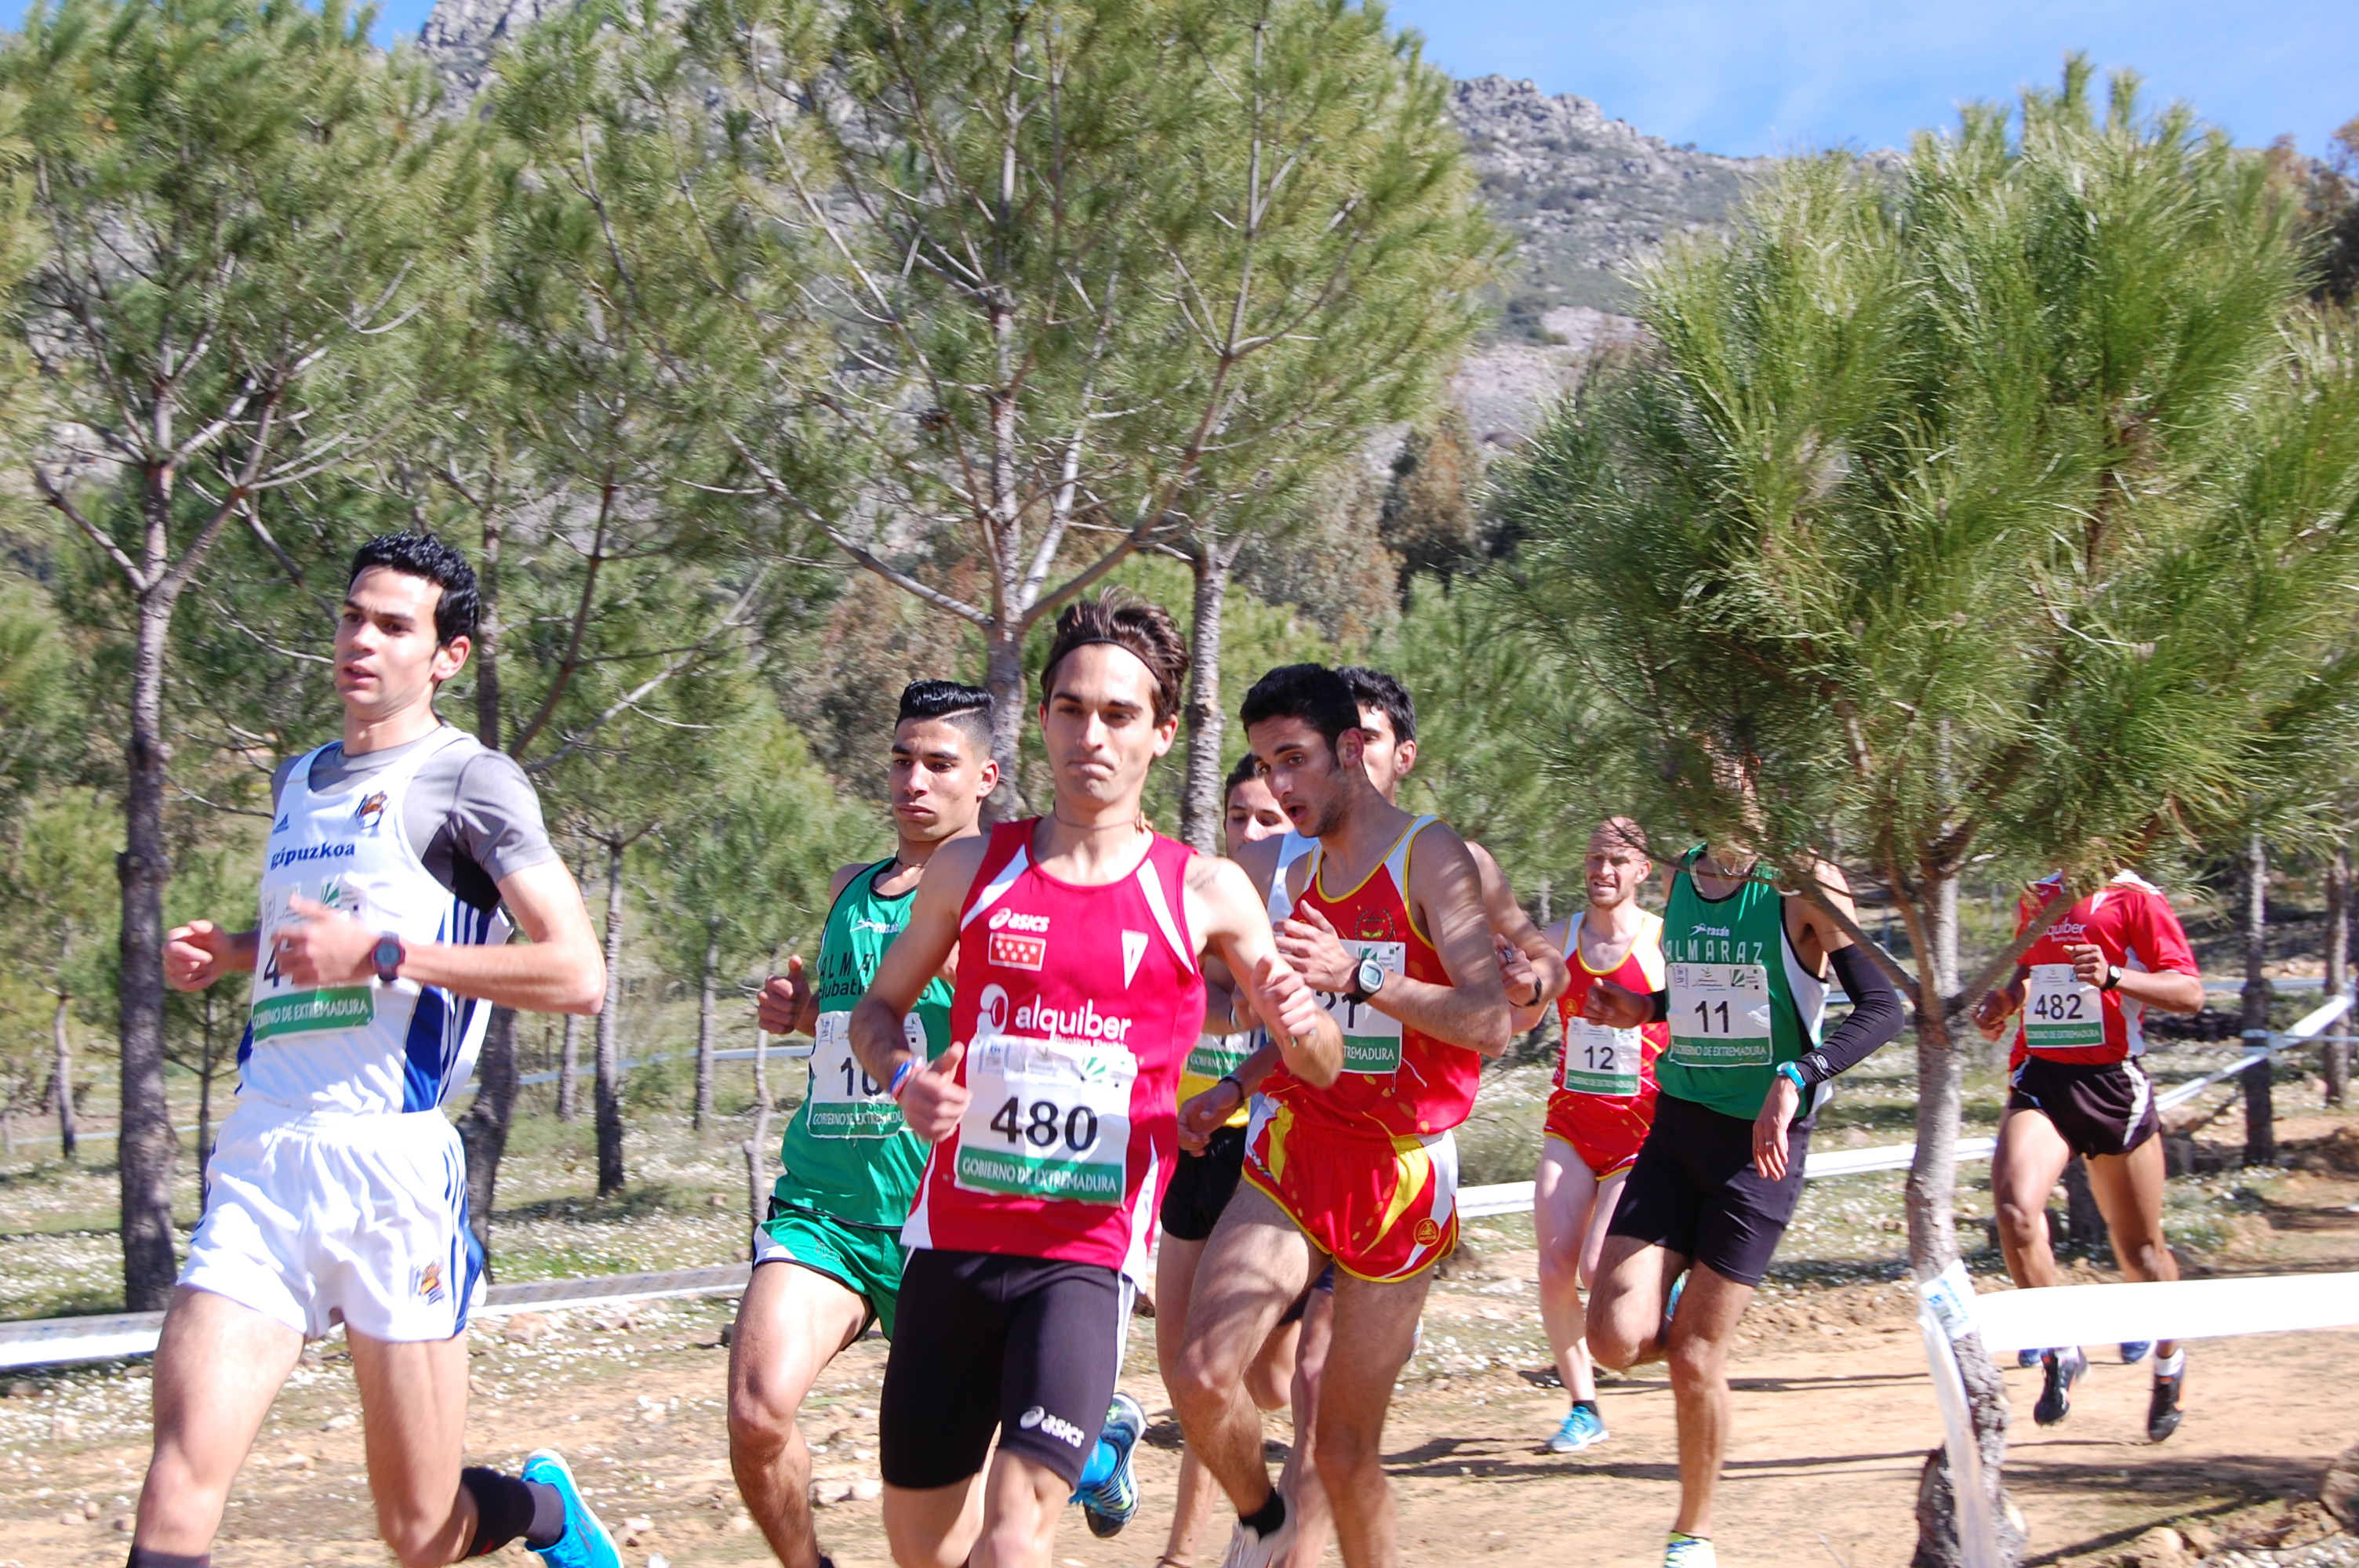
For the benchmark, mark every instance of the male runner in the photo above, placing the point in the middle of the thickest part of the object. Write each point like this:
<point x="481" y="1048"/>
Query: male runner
<point x="2077" y="1089"/>
<point x="1719" y="1172"/>
<point x="828" y="1260"/>
<point x="338" y="1190"/>
<point x="1204" y="1179"/>
<point x="1363" y="1172"/>
<point x="1079" y="994"/>
<point x="1599" y="1109"/>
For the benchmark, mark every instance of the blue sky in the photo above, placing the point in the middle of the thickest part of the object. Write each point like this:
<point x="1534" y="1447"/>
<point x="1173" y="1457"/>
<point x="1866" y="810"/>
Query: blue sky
<point x="1764" y="76"/>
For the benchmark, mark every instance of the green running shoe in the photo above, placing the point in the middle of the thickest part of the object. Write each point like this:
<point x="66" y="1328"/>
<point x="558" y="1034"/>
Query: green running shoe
<point x="1110" y="1504"/>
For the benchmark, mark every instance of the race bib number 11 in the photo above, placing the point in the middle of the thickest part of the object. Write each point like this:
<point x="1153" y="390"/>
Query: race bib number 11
<point x="1720" y="1015"/>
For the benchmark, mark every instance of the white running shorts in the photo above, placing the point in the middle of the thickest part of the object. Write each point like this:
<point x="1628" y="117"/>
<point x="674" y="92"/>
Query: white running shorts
<point x="313" y="1218"/>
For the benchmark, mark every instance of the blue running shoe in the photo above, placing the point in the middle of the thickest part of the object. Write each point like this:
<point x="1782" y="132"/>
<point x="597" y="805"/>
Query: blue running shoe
<point x="1109" y="1505"/>
<point x="2027" y="1358"/>
<point x="1690" y="1552"/>
<point x="585" y="1543"/>
<point x="1581" y="1429"/>
<point x="2133" y="1351"/>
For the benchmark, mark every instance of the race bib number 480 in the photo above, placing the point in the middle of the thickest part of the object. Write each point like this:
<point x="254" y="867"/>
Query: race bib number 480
<point x="1720" y="1015"/>
<point x="1047" y="1119"/>
<point x="2059" y="1012"/>
<point x="845" y="1102"/>
<point x="1372" y="1042"/>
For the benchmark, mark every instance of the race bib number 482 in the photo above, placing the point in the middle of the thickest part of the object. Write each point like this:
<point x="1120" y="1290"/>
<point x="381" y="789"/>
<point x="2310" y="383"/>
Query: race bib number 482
<point x="1372" y="1042"/>
<point x="1720" y="1015"/>
<point x="2059" y="1012"/>
<point x="1047" y="1119"/>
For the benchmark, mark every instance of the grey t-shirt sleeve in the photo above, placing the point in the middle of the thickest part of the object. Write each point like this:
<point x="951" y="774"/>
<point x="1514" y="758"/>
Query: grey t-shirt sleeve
<point x="494" y="813"/>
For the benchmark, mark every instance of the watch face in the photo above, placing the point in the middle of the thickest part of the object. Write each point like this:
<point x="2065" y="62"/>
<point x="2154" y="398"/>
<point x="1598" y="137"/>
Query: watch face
<point x="388" y="953"/>
<point x="1371" y="975"/>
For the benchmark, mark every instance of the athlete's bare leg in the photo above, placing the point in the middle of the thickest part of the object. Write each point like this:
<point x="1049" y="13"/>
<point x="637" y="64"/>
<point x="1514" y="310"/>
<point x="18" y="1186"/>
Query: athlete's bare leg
<point x="1306" y="1499"/>
<point x="1175" y="1274"/>
<point x="413" y="1430"/>
<point x="1701" y="1333"/>
<point x="2030" y="1155"/>
<point x="791" y="1323"/>
<point x="1566" y="1195"/>
<point x="1375" y="1328"/>
<point x="1625" y="1306"/>
<point x="938" y="1527"/>
<point x="218" y="1367"/>
<point x="1256" y="1261"/>
<point x="2128" y="1190"/>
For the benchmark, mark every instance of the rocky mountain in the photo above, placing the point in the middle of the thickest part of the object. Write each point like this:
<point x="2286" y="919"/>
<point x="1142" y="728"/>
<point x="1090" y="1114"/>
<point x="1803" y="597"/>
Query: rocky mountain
<point x="1584" y="195"/>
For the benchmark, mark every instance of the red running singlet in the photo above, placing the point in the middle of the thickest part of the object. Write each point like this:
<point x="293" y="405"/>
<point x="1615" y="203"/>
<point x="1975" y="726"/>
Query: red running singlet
<point x="1603" y="1099"/>
<point x="1078" y="1006"/>
<point x="1397" y="1082"/>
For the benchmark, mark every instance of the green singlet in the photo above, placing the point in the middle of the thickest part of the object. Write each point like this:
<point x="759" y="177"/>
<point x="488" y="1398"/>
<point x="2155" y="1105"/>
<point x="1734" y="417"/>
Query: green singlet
<point x="1741" y="1002"/>
<point x="846" y="1152"/>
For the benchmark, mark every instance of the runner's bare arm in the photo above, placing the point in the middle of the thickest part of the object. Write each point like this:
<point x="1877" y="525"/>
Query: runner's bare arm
<point x="198" y="954"/>
<point x="1200" y="1114"/>
<point x="788" y="1004"/>
<point x="1232" y="923"/>
<point x="1508" y="919"/>
<point x="558" y="970"/>
<point x="1445" y="892"/>
<point x="2172" y="990"/>
<point x="931" y="1096"/>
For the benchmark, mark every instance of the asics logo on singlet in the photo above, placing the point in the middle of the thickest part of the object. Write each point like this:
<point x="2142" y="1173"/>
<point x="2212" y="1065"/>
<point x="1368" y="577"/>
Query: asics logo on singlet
<point x="1009" y="920"/>
<point x="311" y="852"/>
<point x="1056" y="1426"/>
<point x="1036" y="1017"/>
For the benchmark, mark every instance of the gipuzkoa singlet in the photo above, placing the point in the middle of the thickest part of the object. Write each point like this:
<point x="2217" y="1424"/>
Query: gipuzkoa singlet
<point x="1078" y="1006"/>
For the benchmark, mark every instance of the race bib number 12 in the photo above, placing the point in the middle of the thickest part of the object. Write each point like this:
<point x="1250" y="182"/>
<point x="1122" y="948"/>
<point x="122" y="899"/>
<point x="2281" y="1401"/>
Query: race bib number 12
<point x="1720" y="1015"/>
<point x="1600" y="1061"/>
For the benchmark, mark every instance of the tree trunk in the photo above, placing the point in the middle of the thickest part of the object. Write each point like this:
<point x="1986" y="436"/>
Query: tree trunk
<point x="2260" y="1127"/>
<point x="145" y="1148"/>
<point x="2334" y="1056"/>
<point x="484" y="1129"/>
<point x="1003" y="678"/>
<point x="610" y="1040"/>
<point x="69" y="1141"/>
<point x="1200" y="806"/>
<point x="1930" y="912"/>
<point x="568" y="1069"/>
<point x="487" y="638"/>
<point x="209" y="1058"/>
<point x="704" y="1011"/>
<point x="757" y="1148"/>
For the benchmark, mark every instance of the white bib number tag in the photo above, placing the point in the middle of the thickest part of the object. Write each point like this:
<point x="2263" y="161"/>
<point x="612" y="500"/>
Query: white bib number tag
<point x="1047" y="1119"/>
<point x="1372" y="1042"/>
<point x="1720" y="1015"/>
<point x="845" y="1102"/>
<point x="1600" y="1061"/>
<point x="280" y="1007"/>
<point x="2059" y="1012"/>
<point x="1215" y="1056"/>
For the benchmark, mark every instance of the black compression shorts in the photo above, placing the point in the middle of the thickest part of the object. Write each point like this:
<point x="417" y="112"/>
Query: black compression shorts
<point x="2098" y="1108"/>
<point x="1030" y="1346"/>
<point x="1694" y="1191"/>
<point x="1202" y="1184"/>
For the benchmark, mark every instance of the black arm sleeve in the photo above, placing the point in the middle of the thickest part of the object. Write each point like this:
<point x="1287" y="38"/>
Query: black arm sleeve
<point x="1874" y="1021"/>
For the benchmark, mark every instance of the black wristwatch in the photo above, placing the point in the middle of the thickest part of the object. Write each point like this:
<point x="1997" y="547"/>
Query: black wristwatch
<point x="1366" y="980"/>
<point x="388" y="955"/>
<point x="2112" y="979"/>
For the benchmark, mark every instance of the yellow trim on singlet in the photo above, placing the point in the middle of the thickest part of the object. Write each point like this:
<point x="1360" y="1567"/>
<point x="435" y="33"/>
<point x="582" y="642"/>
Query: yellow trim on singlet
<point x="1318" y="858"/>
